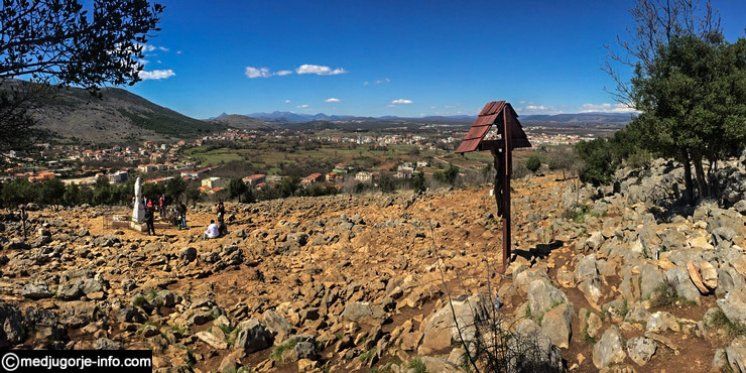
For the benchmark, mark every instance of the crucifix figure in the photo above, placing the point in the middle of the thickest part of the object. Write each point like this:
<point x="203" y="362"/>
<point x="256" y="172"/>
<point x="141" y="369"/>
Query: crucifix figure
<point x="511" y="136"/>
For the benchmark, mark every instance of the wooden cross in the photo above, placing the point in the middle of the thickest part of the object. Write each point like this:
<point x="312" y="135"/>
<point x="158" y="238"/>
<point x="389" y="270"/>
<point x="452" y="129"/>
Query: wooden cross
<point x="512" y="136"/>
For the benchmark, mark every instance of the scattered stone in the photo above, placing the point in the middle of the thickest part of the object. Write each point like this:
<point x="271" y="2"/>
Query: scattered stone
<point x="736" y="354"/>
<point x="252" y="336"/>
<point x="188" y="255"/>
<point x="557" y="325"/>
<point x="641" y="349"/>
<point x="608" y="350"/>
<point x="733" y="306"/>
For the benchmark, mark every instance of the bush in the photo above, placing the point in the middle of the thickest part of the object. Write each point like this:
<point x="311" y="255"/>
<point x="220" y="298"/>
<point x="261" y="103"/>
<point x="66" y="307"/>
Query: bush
<point x="599" y="163"/>
<point x="533" y="163"/>
<point x="448" y="176"/>
<point x="418" y="182"/>
<point x="494" y="347"/>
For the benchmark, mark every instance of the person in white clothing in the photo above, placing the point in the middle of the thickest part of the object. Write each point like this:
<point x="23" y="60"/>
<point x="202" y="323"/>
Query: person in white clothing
<point x="212" y="230"/>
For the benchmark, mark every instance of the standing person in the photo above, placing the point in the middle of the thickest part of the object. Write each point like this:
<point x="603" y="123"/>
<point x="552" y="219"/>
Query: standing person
<point x="24" y="217"/>
<point x="162" y="206"/>
<point x="182" y="215"/>
<point x="221" y="218"/>
<point x="149" y="212"/>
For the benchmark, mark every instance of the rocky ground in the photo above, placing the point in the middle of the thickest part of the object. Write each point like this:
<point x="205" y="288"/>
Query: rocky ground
<point x="602" y="279"/>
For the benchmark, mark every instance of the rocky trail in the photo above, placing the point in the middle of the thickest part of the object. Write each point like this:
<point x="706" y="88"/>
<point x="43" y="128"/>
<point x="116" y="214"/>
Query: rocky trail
<point x="357" y="283"/>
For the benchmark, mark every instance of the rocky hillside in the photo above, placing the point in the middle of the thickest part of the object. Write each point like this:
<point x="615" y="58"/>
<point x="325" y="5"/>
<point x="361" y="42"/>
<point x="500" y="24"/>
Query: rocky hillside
<point x="117" y="115"/>
<point x="354" y="283"/>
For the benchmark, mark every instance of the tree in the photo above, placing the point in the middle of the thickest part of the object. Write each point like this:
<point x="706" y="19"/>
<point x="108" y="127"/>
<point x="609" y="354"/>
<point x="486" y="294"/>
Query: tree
<point x="688" y="84"/>
<point x="418" y="182"/>
<point x="693" y="103"/>
<point x="63" y="43"/>
<point x="237" y="188"/>
<point x="448" y="176"/>
<point x="598" y="161"/>
<point x="657" y="22"/>
<point x="533" y="163"/>
<point x="51" y="192"/>
<point x="175" y="187"/>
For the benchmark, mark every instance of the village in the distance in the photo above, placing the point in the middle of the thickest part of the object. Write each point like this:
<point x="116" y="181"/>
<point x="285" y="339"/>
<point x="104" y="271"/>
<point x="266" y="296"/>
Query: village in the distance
<point x="335" y="158"/>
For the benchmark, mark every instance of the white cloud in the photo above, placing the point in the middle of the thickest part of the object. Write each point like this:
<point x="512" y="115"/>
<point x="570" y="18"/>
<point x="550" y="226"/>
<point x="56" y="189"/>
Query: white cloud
<point x="263" y="72"/>
<point x="178" y="52"/>
<point x="147" y="48"/>
<point x="319" y="70"/>
<point x="304" y="106"/>
<point x="377" y="82"/>
<point x="287" y="101"/>
<point x="534" y="108"/>
<point x="257" y="72"/>
<point x="401" y="101"/>
<point x="156" y="74"/>
<point x="332" y="100"/>
<point x="606" y="108"/>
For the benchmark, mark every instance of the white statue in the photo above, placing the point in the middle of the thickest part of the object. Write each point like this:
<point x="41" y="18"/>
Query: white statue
<point x="138" y="211"/>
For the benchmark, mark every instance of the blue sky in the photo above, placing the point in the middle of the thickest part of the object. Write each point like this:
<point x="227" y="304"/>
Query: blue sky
<point x="407" y="58"/>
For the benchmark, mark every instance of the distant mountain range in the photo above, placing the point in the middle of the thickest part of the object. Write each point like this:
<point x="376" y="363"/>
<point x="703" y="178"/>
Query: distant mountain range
<point x="579" y="118"/>
<point x="241" y="121"/>
<point x="116" y="115"/>
<point x="598" y="118"/>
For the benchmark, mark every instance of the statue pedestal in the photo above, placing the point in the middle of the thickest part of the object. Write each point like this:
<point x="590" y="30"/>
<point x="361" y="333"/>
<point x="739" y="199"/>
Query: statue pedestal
<point x="140" y="227"/>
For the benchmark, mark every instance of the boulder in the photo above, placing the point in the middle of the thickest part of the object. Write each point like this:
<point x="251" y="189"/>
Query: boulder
<point x="543" y="296"/>
<point x="435" y="364"/>
<point x="651" y="280"/>
<point x="662" y="321"/>
<point x="36" y="291"/>
<point x="440" y="331"/>
<point x="557" y="325"/>
<point x="696" y="277"/>
<point x="363" y="312"/>
<point x="188" y="255"/>
<point x="679" y="279"/>
<point x="278" y="325"/>
<point x="252" y="336"/>
<point x="595" y="241"/>
<point x="609" y="350"/>
<point x="733" y="306"/>
<point x="736" y="354"/>
<point x="641" y="349"/>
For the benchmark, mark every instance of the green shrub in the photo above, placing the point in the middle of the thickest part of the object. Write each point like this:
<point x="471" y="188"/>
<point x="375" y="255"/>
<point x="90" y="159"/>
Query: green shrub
<point x="533" y="163"/>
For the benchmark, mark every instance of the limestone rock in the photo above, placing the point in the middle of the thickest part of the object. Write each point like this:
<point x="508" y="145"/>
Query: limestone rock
<point x="609" y="350"/>
<point x="733" y="306"/>
<point x="440" y="331"/>
<point x="363" y="312"/>
<point x="736" y="354"/>
<point x="557" y="325"/>
<point x="543" y="296"/>
<point x="252" y="336"/>
<point x="641" y="349"/>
